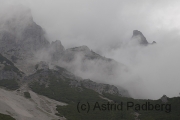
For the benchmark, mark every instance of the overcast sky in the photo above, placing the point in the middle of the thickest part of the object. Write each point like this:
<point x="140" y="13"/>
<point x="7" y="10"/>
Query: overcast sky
<point x="104" y="25"/>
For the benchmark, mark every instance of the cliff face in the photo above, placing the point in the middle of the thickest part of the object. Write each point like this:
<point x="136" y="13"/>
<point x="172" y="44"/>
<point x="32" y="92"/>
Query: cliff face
<point x="21" y="37"/>
<point x="137" y="35"/>
<point x="22" y="33"/>
<point x="56" y="50"/>
<point x="140" y="38"/>
<point x="9" y="74"/>
<point x="8" y="70"/>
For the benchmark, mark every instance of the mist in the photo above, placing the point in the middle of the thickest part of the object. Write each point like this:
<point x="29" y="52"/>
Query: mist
<point x="157" y="66"/>
<point x="106" y="27"/>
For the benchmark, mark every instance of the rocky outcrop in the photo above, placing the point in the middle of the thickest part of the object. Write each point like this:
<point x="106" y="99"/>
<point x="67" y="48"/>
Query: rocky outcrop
<point x="9" y="75"/>
<point x="22" y="36"/>
<point x="139" y="37"/>
<point x="99" y="87"/>
<point x="56" y="50"/>
<point x="42" y="76"/>
<point x="71" y="53"/>
<point x="84" y="52"/>
<point x="8" y="70"/>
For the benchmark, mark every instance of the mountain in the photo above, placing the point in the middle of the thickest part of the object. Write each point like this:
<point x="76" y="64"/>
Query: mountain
<point x="81" y="61"/>
<point x="56" y="50"/>
<point x="85" y="52"/>
<point x="140" y="38"/>
<point x="64" y="79"/>
<point x="21" y="38"/>
<point x="25" y="44"/>
<point x="41" y="80"/>
<point x="56" y="83"/>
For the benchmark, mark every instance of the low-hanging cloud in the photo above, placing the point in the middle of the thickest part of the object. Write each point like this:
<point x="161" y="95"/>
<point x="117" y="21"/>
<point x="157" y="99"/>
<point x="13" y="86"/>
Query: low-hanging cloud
<point x="106" y="27"/>
<point x="157" y="66"/>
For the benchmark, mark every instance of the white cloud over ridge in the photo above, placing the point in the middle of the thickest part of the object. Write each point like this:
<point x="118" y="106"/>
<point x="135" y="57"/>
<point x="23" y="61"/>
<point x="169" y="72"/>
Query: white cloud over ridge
<point x="106" y="26"/>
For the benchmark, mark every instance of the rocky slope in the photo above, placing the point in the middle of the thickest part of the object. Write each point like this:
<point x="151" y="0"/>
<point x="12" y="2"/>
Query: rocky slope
<point x="44" y="76"/>
<point x="59" y="80"/>
<point x="38" y="107"/>
<point x="10" y="75"/>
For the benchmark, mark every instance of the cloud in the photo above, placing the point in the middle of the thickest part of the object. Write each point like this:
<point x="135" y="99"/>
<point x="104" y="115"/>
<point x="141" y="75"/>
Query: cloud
<point x="98" y="23"/>
<point x="102" y="24"/>
<point x="157" y="66"/>
<point x="106" y="27"/>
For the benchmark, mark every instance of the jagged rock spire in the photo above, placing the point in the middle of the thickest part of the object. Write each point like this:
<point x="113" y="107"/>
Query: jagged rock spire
<point x="137" y="35"/>
<point x="56" y="50"/>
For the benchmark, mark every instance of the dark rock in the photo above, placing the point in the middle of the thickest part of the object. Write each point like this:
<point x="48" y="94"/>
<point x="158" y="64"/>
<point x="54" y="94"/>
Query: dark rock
<point x="137" y="35"/>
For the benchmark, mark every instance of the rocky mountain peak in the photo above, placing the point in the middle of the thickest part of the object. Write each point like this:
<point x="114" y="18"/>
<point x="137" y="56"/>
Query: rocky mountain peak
<point x="137" y="35"/>
<point x="136" y="32"/>
<point x="20" y="36"/>
<point x="57" y="45"/>
<point x="83" y="48"/>
<point x="56" y="50"/>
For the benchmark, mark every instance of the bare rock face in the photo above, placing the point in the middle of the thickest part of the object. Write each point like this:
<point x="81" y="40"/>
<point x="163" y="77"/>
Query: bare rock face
<point x="20" y="36"/>
<point x="8" y="71"/>
<point x="71" y="53"/>
<point x="137" y="35"/>
<point x="100" y="88"/>
<point x="84" y="52"/>
<point x="56" y="50"/>
<point x="97" y="87"/>
<point x="140" y="38"/>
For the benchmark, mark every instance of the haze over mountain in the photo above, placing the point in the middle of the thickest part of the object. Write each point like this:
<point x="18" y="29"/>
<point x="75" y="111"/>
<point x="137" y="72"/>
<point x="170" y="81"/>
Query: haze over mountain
<point x="87" y="54"/>
<point x="29" y="46"/>
<point x="78" y="27"/>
